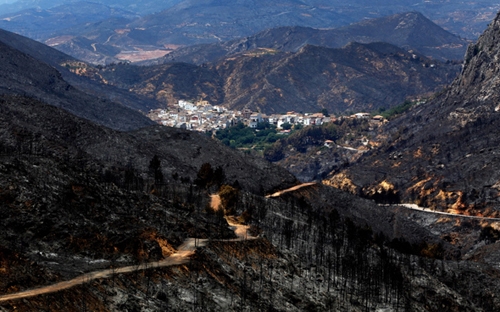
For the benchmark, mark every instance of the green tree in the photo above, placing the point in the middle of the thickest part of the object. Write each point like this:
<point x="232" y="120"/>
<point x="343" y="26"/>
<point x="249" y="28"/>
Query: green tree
<point x="286" y="126"/>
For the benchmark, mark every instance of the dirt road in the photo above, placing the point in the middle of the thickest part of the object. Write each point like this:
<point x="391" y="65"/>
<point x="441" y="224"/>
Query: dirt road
<point x="416" y="207"/>
<point x="178" y="258"/>
<point x="184" y="252"/>
<point x="294" y="188"/>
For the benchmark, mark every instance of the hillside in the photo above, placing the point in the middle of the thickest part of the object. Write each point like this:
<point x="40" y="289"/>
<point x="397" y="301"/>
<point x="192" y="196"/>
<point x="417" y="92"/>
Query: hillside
<point x="358" y="77"/>
<point x="24" y="75"/>
<point x="67" y="67"/>
<point x="146" y="7"/>
<point x="129" y="215"/>
<point x="96" y="204"/>
<point x="411" y="31"/>
<point x="43" y="24"/>
<point x="442" y="154"/>
<point x="461" y="18"/>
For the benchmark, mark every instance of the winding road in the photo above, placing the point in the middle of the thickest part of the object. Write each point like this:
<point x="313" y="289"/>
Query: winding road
<point x="186" y="250"/>
<point x="181" y="256"/>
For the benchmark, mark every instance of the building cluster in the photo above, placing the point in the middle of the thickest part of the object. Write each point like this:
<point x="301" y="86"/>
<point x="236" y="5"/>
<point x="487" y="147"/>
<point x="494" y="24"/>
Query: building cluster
<point x="203" y="117"/>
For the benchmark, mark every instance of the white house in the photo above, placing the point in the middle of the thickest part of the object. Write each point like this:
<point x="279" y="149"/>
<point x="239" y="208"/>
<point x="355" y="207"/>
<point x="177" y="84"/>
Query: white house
<point x="255" y="118"/>
<point x="362" y="115"/>
<point x="187" y="105"/>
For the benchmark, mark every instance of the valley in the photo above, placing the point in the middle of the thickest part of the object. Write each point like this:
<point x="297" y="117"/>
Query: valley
<point x="288" y="156"/>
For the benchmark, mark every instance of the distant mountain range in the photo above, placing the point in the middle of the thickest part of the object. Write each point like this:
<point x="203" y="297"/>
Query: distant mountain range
<point x="144" y="7"/>
<point x="411" y="31"/>
<point x="105" y="31"/>
<point x="43" y="24"/>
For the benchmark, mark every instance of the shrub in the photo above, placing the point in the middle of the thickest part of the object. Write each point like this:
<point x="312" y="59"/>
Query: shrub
<point x="229" y="197"/>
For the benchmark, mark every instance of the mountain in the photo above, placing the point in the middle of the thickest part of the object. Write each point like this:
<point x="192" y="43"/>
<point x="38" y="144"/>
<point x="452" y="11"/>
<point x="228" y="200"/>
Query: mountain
<point x="98" y="219"/>
<point x="43" y="24"/>
<point x="442" y="154"/>
<point x="461" y="18"/>
<point x="24" y="75"/>
<point x="79" y="197"/>
<point x="411" y="31"/>
<point x="99" y="32"/>
<point x="358" y="77"/>
<point x="191" y="22"/>
<point x="194" y="22"/>
<point x="145" y="7"/>
<point x="68" y="66"/>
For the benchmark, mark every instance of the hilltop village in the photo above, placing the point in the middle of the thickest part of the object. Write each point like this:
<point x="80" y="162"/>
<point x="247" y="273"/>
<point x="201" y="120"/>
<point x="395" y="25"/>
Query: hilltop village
<point x="204" y="117"/>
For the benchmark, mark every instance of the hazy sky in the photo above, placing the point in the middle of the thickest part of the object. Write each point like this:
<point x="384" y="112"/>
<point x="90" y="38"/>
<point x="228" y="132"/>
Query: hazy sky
<point x="7" y="1"/>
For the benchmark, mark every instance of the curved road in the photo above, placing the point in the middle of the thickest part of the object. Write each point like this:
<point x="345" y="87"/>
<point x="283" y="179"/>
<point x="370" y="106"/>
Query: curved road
<point x="184" y="252"/>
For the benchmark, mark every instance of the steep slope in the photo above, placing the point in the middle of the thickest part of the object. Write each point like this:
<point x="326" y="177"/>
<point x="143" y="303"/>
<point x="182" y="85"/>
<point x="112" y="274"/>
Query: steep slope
<point x="167" y="83"/>
<point x="191" y="22"/>
<point x="24" y="75"/>
<point x="442" y="154"/>
<point x="79" y="197"/>
<point x="358" y="77"/>
<point x="411" y="31"/>
<point x="68" y="66"/>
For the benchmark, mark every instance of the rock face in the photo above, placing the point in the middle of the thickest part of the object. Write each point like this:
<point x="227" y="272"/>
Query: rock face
<point x="358" y="77"/>
<point x="443" y="154"/>
<point x="411" y="31"/>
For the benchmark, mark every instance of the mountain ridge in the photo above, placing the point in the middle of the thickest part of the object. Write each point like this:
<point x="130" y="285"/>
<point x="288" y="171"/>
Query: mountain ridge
<point x="346" y="79"/>
<point x="440" y="45"/>
<point x="63" y="63"/>
<point x="442" y="153"/>
<point x="22" y="74"/>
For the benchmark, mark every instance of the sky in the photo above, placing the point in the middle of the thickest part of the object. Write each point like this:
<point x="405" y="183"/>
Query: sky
<point x="7" y="1"/>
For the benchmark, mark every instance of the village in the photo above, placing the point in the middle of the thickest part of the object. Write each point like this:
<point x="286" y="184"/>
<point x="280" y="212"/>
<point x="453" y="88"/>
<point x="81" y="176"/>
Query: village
<point x="203" y="117"/>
